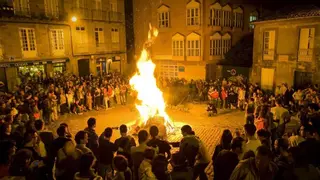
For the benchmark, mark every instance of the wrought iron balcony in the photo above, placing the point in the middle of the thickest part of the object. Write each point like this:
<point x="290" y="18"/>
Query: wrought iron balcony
<point x="98" y="14"/>
<point x="82" y="13"/>
<point x="22" y="12"/>
<point x="83" y="48"/>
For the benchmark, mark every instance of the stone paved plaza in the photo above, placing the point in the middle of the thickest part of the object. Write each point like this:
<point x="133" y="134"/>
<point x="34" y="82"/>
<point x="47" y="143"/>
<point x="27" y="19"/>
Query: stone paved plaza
<point x="209" y="129"/>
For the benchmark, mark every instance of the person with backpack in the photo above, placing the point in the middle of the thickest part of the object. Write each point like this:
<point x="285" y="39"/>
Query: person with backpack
<point x="193" y="149"/>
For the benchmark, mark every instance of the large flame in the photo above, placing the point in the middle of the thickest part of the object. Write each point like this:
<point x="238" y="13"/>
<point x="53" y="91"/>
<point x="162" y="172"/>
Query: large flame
<point x="151" y="99"/>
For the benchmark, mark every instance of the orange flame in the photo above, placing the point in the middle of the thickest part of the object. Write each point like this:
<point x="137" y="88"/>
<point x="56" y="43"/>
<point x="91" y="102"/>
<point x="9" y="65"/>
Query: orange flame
<point x="151" y="99"/>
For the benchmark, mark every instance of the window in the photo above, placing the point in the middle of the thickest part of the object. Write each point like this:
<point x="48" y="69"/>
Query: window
<point x="163" y="16"/>
<point x="113" y="6"/>
<point x="21" y="7"/>
<point x="80" y="3"/>
<point x="238" y="17"/>
<point x="193" y="45"/>
<point x="177" y="47"/>
<point x="220" y="45"/>
<point x="57" y="40"/>
<point x="226" y="16"/>
<point x="51" y="8"/>
<point x="99" y="36"/>
<point x="268" y="45"/>
<point x="215" y="15"/>
<point x="168" y="69"/>
<point x="163" y="19"/>
<point x="28" y="42"/>
<point x="98" y="5"/>
<point x="115" y="35"/>
<point x="306" y="44"/>
<point x="81" y="35"/>
<point x="253" y="17"/>
<point x="193" y="13"/>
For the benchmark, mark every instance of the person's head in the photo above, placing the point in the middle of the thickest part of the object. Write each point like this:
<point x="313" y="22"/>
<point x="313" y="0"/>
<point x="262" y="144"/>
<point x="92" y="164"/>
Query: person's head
<point x="142" y="136"/>
<point x="81" y="137"/>
<point x="226" y="139"/>
<point x="278" y="102"/>
<point x="250" y="129"/>
<point x="87" y="161"/>
<point x="281" y="145"/>
<point x="237" y="144"/>
<point x="154" y="131"/>
<point x="123" y="129"/>
<point x="39" y="125"/>
<point x="149" y="153"/>
<point x="307" y="131"/>
<point x="120" y="163"/>
<point x="248" y="154"/>
<point x="263" y="158"/>
<point x="107" y="133"/>
<point x="21" y="160"/>
<point x="313" y="107"/>
<point x="187" y="130"/>
<point x="31" y="137"/>
<point x="6" y="128"/>
<point x="263" y="134"/>
<point x="91" y="123"/>
<point x="62" y="131"/>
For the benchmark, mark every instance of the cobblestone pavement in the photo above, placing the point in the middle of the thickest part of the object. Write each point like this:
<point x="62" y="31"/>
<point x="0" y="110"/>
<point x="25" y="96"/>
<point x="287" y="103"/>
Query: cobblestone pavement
<point x="209" y="129"/>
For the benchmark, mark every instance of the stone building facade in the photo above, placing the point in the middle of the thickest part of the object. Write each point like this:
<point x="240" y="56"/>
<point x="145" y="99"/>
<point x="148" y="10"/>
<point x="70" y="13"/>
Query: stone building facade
<point x="286" y="49"/>
<point x="193" y="34"/>
<point x="81" y="37"/>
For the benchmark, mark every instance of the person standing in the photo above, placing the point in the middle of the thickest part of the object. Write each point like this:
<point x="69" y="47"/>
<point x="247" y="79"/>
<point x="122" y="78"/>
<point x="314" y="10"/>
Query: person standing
<point x="93" y="143"/>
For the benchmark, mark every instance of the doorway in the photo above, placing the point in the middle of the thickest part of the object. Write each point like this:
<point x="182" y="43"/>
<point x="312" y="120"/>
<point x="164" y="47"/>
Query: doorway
<point x="267" y="78"/>
<point x="84" y="67"/>
<point x="302" y="79"/>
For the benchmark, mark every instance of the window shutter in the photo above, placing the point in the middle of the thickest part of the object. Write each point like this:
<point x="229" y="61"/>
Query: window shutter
<point x="272" y="40"/>
<point x="312" y="34"/>
<point x="304" y="38"/>
<point x="21" y="41"/>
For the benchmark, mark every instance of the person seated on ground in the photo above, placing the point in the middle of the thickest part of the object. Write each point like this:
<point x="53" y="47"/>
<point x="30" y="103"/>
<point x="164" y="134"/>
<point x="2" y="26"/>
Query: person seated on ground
<point x="81" y="139"/>
<point x="77" y="108"/>
<point x="123" y="172"/>
<point x="211" y="109"/>
<point x="106" y="152"/>
<point x="160" y="167"/>
<point x="86" y="171"/>
<point x="163" y="146"/>
<point x="223" y="170"/>
<point x="145" y="168"/>
<point x="180" y="170"/>
<point x="93" y="142"/>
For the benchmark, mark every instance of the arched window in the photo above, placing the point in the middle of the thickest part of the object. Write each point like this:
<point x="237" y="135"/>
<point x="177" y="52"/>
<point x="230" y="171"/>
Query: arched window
<point x="193" y="13"/>
<point x="193" y="44"/>
<point x="215" y="44"/>
<point x="238" y="17"/>
<point x="226" y="43"/>
<point x="253" y="17"/>
<point x="163" y="16"/>
<point x="215" y="14"/>
<point x="178" y="45"/>
<point x="226" y="16"/>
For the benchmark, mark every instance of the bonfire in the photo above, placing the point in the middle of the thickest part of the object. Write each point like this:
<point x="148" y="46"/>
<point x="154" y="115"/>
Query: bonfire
<point x="151" y="104"/>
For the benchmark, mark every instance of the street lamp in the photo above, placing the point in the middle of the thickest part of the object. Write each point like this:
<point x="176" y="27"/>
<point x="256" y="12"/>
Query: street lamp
<point x="74" y="19"/>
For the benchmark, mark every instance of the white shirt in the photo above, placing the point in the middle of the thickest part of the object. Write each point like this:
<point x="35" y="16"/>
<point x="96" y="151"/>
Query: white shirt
<point x="252" y="145"/>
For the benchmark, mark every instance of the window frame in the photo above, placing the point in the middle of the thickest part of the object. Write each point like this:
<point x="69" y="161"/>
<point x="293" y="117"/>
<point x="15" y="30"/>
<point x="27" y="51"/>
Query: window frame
<point x="28" y="44"/>
<point x="57" y="41"/>
<point x="99" y="36"/>
<point x="115" y="35"/>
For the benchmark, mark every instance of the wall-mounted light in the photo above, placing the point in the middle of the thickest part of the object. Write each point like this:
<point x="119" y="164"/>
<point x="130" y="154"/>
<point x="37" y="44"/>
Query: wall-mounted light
<point x="74" y="19"/>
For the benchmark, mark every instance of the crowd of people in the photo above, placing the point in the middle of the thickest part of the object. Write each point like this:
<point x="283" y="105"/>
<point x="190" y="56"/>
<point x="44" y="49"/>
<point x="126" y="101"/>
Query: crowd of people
<point x="280" y="139"/>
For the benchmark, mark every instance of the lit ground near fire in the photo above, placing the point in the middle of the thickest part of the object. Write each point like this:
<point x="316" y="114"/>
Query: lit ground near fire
<point x="209" y="129"/>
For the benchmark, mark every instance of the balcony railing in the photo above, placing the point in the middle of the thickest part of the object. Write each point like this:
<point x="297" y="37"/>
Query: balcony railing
<point x="82" y="48"/>
<point x="98" y="14"/>
<point x="82" y="13"/>
<point x="305" y="54"/>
